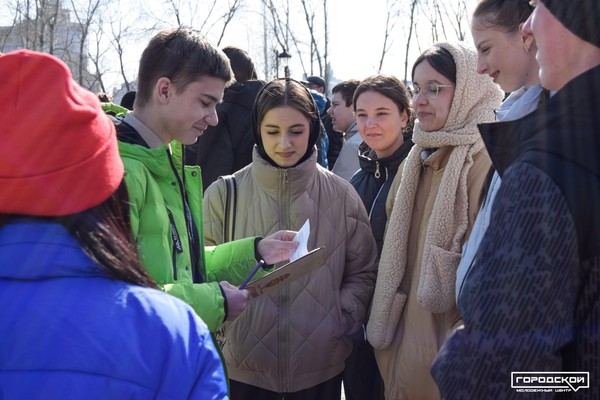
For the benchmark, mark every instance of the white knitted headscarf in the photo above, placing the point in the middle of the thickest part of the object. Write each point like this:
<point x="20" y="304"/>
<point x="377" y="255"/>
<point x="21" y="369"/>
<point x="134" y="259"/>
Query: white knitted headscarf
<point x="475" y="99"/>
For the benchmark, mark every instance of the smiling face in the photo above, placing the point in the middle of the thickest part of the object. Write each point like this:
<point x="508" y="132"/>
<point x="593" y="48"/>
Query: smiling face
<point x="285" y="133"/>
<point x="188" y="113"/>
<point x="432" y="113"/>
<point x="508" y="57"/>
<point x="561" y="54"/>
<point x="380" y="122"/>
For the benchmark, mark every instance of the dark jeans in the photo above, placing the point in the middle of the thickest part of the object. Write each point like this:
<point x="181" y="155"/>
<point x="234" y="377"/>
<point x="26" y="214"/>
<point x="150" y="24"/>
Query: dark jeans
<point x="362" y="380"/>
<point x="328" y="390"/>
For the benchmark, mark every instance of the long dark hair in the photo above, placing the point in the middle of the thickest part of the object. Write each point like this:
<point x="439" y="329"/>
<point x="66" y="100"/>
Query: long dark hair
<point x="104" y="233"/>
<point x="440" y="59"/>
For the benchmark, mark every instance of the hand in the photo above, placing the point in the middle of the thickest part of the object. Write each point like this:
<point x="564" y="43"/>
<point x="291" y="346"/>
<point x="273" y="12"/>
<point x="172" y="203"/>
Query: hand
<point x="277" y="247"/>
<point x="237" y="300"/>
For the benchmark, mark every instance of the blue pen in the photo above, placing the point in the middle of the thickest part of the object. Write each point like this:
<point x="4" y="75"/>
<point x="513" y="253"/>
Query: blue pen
<point x="254" y="271"/>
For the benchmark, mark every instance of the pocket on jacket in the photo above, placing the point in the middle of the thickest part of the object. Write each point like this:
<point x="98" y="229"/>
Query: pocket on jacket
<point x="381" y="335"/>
<point x="437" y="283"/>
<point x="340" y="319"/>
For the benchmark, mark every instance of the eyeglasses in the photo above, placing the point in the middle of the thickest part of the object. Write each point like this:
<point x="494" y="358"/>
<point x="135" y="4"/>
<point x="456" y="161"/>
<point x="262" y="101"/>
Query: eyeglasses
<point x="432" y="90"/>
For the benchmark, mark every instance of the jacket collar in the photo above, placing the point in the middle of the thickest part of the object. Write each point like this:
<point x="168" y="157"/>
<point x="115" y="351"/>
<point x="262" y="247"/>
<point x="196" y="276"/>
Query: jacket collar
<point x="368" y="158"/>
<point x="438" y="159"/>
<point x="33" y="250"/>
<point x="132" y="146"/>
<point x="270" y="179"/>
<point x="352" y="131"/>
<point x="566" y="126"/>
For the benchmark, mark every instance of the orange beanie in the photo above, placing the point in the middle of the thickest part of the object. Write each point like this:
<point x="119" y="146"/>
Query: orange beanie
<point x="58" y="150"/>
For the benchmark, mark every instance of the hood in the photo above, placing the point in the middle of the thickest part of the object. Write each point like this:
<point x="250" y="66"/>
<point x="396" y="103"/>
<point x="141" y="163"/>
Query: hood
<point x="315" y="130"/>
<point x="242" y="94"/>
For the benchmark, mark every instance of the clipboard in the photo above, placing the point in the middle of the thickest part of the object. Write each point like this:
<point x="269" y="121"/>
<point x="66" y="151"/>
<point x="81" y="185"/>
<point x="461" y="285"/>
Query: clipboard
<point x="288" y="273"/>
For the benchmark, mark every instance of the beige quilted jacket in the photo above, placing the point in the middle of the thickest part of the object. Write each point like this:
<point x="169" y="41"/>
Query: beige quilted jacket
<point x="298" y="337"/>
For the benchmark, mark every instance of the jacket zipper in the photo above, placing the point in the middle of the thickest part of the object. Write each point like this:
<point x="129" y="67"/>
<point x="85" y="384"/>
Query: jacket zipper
<point x="284" y="360"/>
<point x="176" y="243"/>
<point x="380" y="189"/>
<point x="197" y="278"/>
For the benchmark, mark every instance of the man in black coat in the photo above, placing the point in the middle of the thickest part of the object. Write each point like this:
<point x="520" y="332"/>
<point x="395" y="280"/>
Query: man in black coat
<point x="531" y="299"/>
<point x="227" y="147"/>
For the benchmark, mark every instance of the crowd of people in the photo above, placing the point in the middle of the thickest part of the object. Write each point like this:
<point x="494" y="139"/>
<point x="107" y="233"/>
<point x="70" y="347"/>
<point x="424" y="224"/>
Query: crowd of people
<point x="458" y="217"/>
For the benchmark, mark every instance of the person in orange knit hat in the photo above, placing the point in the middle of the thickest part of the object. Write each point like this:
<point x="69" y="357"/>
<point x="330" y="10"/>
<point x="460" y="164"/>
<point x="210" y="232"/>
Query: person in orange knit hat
<point x="77" y="305"/>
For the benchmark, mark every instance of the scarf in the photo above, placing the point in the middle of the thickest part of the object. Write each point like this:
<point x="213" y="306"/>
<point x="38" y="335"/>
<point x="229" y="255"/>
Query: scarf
<point x="475" y="99"/>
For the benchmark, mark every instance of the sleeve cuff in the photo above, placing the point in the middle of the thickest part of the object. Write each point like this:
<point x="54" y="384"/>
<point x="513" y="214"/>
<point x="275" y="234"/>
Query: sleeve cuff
<point x="257" y="255"/>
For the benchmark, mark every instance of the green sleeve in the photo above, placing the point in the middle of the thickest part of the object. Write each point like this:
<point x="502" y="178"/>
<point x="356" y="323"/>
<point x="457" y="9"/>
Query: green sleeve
<point x="205" y="298"/>
<point x="112" y="108"/>
<point x="136" y="188"/>
<point x="231" y="261"/>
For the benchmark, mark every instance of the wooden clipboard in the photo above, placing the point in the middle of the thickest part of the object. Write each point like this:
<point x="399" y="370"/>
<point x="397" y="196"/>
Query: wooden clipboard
<point x="288" y="273"/>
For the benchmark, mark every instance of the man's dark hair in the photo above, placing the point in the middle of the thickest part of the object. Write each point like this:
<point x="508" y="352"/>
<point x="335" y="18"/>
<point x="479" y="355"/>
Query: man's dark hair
<point x="182" y="55"/>
<point x="346" y="89"/>
<point x="241" y="64"/>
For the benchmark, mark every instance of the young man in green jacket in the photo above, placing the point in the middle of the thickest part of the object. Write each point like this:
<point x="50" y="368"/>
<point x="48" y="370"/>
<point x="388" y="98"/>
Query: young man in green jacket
<point x="181" y="79"/>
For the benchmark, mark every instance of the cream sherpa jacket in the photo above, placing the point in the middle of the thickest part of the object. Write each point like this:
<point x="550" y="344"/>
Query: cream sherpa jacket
<point x="434" y="208"/>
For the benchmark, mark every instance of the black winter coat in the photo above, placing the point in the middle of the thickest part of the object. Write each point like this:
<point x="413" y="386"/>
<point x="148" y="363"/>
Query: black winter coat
<point x="373" y="182"/>
<point x="227" y="147"/>
<point x="531" y="300"/>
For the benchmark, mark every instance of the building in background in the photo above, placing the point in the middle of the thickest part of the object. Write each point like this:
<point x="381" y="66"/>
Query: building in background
<point x="50" y="29"/>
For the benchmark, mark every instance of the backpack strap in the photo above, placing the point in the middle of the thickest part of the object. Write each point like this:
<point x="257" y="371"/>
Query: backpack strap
<point x="230" y="207"/>
<point x="228" y="231"/>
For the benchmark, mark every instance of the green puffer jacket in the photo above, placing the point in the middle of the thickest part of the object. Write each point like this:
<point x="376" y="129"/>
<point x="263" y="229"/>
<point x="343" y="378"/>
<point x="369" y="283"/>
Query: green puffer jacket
<point x="154" y="183"/>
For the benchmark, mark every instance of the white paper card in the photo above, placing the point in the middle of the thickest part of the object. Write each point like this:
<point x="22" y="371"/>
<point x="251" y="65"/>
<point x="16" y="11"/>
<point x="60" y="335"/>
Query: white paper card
<point x="302" y="239"/>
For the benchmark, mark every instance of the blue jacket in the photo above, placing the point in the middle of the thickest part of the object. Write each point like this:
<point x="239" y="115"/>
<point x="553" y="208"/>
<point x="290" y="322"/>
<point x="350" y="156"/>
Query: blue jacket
<point x="68" y="331"/>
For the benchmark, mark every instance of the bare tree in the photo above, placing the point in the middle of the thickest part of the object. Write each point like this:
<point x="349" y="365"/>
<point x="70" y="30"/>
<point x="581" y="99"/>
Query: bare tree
<point x="457" y="16"/>
<point x="49" y="12"/>
<point x="411" y="27"/>
<point x="392" y="16"/>
<point x="34" y="23"/>
<point x="314" y="53"/>
<point x="46" y="26"/>
<point x="278" y="28"/>
<point x="186" y="12"/>
<point x="326" y="42"/>
<point x="118" y="36"/>
<point x="228" y="17"/>
<point x="96" y="55"/>
<point x="84" y="17"/>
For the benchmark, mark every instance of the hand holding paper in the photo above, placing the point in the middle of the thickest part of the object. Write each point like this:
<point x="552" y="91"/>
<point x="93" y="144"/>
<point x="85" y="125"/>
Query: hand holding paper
<point x="302" y="262"/>
<point x="302" y="240"/>
<point x="277" y="247"/>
